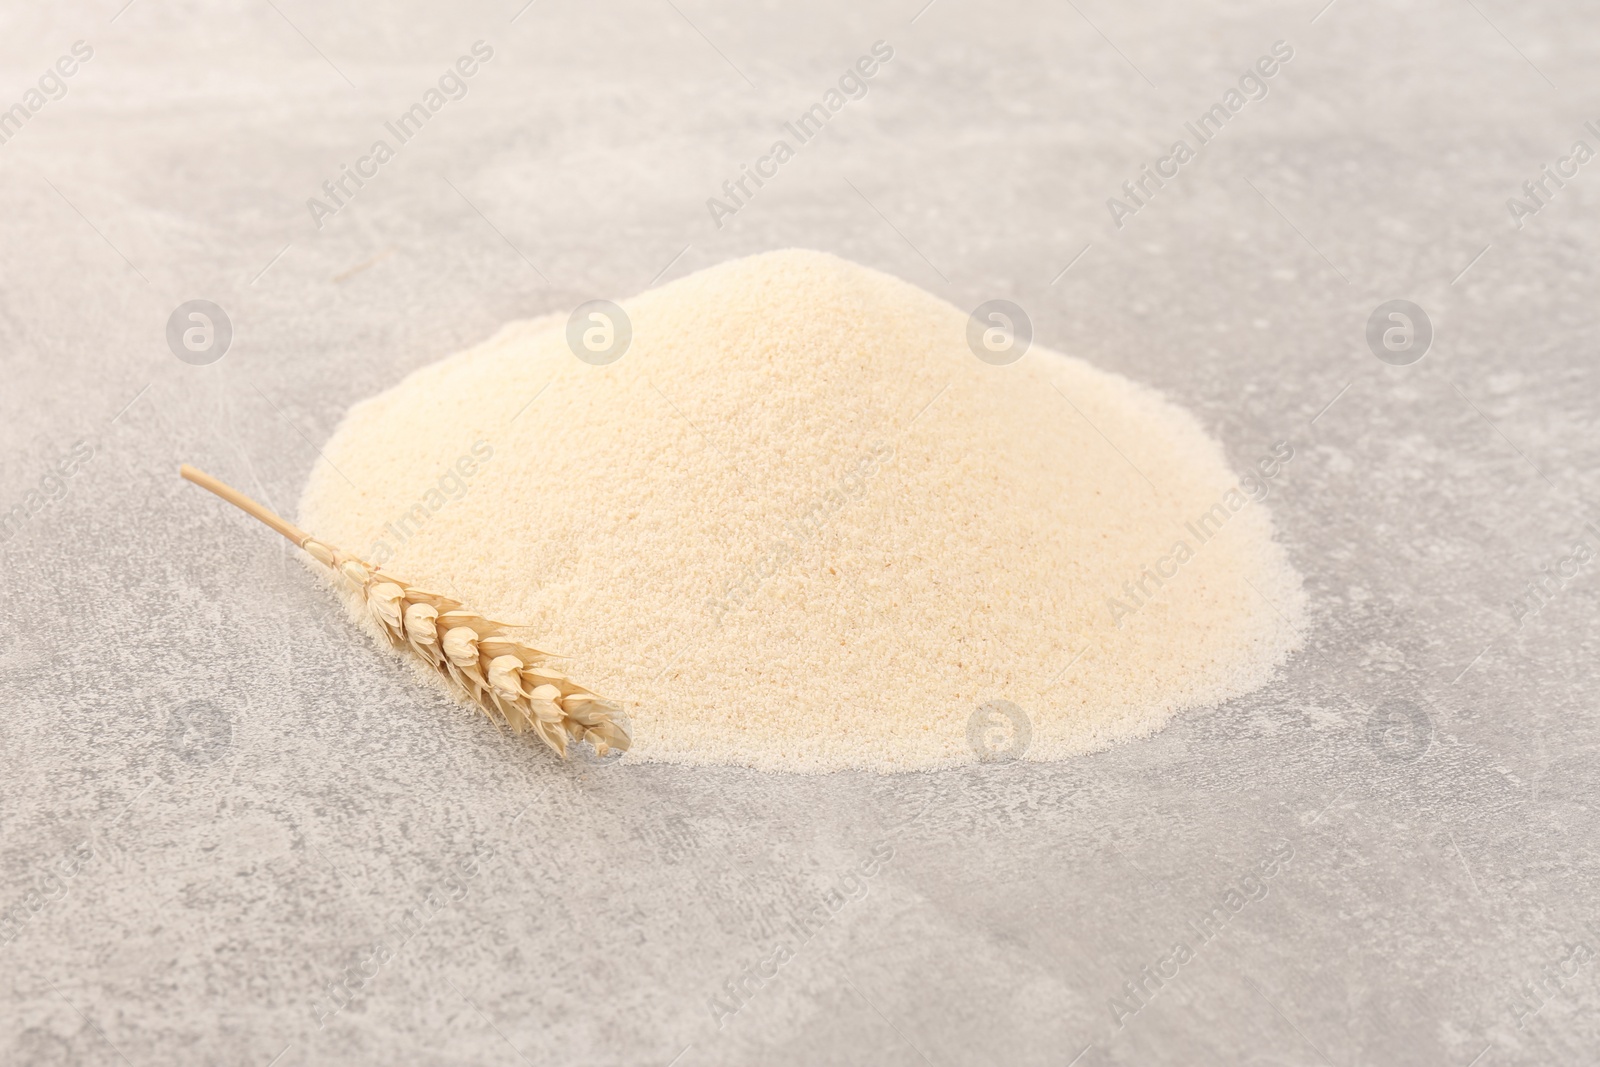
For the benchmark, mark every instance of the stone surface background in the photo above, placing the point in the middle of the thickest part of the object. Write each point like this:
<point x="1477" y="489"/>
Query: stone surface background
<point x="216" y="800"/>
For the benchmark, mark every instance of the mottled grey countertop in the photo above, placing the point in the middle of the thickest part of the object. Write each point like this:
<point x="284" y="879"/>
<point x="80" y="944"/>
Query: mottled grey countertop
<point x="231" y="830"/>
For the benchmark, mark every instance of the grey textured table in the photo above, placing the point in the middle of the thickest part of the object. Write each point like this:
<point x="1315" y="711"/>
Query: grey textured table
<point x="231" y="831"/>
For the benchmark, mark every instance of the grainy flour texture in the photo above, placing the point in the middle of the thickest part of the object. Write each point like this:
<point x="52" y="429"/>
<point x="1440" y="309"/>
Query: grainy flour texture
<point x="799" y="526"/>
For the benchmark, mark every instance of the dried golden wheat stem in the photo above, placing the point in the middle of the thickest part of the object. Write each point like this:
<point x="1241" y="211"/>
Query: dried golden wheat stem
<point x="509" y="680"/>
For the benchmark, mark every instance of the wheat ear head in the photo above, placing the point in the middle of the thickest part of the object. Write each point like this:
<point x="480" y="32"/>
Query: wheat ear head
<point x="509" y="680"/>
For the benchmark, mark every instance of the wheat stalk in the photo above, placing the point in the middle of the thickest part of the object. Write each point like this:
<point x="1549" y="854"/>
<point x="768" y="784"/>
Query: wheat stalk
<point x="506" y="678"/>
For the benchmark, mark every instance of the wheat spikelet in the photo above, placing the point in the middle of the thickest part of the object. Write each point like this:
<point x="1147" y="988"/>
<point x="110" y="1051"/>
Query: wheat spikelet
<point x="511" y="681"/>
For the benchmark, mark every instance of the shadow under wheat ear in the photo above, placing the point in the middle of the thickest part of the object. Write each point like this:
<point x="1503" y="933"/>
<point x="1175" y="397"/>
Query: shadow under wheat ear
<point x="508" y="679"/>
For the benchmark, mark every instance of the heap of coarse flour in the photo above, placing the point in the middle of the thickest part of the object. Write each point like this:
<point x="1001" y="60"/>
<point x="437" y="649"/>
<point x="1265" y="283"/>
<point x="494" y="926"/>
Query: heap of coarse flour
<point x="799" y="526"/>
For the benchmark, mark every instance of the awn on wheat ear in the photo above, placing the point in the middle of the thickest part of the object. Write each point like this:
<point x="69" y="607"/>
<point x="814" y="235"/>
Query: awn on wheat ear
<point x="506" y="678"/>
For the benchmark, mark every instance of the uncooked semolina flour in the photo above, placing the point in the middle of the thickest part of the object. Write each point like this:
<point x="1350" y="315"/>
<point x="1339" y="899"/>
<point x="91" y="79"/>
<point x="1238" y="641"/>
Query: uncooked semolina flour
<point x="799" y="526"/>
